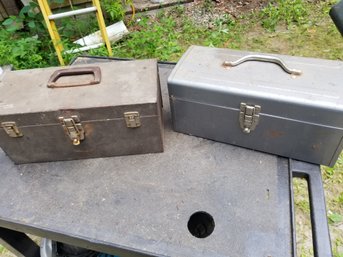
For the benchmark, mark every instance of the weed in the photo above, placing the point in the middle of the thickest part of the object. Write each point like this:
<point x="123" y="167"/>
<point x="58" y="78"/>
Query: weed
<point x="329" y="172"/>
<point x="166" y="39"/>
<point x="207" y="6"/>
<point x="178" y="11"/>
<point x="334" y="217"/>
<point x="337" y="247"/>
<point x="24" y="52"/>
<point x="28" y="19"/>
<point x="301" y="199"/>
<point x="115" y="8"/>
<point x="303" y="205"/>
<point x="304" y="252"/>
<point x="150" y="40"/>
<point x="325" y="6"/>
<point x="340" y="199"/>
<point x="225" y="20"/>
<point x="286" y="11"/>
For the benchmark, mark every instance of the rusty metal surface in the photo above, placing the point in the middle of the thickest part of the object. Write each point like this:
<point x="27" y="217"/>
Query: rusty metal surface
<point x="38" y="110"/>
<point x="140" y="205"/>
<point x="94" y="72"/>
<point x="25" y="91"/>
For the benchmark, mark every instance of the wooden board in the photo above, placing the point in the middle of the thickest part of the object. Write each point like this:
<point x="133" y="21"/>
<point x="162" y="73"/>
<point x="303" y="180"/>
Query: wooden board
<point x="66" y="3"/>
<point x="7" y="8"/>
<point x="3" y="13"/>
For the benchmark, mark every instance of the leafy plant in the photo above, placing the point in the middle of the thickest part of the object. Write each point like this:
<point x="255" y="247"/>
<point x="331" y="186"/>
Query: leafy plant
<point x="154" y="39"/>
<point x="166" y="37"/>
<point x="2" y="249"/>
<point x="286" y="11"/>
<point x="225" y="20"/>
<point x="24" y="52"/>
<point x="337" y="247"/>
<point x="335" y="217"/>
<point x="340" y="199"/>
<point x="329" y="172"/>
<point x="207" y="6"/>
<point x="29" y="18"/>
<point x="116" y="8"/>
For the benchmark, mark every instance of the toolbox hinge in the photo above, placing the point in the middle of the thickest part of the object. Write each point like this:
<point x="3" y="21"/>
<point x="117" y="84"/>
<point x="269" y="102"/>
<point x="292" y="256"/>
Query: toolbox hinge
<point x="73" y="129"/>
<point x="11" y="129"/>
<point x="132" y="119"/>
<point x="249" y="117"/>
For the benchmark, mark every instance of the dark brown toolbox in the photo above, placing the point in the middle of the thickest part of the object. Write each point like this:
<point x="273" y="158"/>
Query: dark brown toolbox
<point x="107" y="109"/>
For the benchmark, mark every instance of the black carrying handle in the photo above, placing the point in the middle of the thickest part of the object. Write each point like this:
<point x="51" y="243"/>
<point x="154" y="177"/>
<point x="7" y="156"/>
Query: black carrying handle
<point x="336" y="14"/>
<point x="95" y="71"/>
<point x="320" y="229"/>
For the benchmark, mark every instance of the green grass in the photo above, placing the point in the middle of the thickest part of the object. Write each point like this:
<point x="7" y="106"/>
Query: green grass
<point x="299" y="28"/>
<point x="167" y="37"/>
<point x="169" y="34"/>
<point x="318" y="37"/>
<point x="333" y="185"/>
<point x="284" y="11"/>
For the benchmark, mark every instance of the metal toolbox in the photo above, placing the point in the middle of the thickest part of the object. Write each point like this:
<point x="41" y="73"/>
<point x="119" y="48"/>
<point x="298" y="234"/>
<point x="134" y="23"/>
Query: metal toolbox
<point x="84" y="111"/>
<point x="289" y="106"/>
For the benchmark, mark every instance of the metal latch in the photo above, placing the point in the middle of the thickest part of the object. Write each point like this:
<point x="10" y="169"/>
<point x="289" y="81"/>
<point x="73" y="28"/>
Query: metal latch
<point x="11" y="129"/>
<point x="132" y="119"/>
<point x="249" y="117"/>
<point x="73" y="128"/>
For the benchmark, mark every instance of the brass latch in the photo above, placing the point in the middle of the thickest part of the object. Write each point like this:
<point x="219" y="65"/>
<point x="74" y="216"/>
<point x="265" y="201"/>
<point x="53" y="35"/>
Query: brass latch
<point x="11" y="129"/>
<point x="73" y="129"/>
<point x="249" y="117"/>
<point x="132" y="119"/>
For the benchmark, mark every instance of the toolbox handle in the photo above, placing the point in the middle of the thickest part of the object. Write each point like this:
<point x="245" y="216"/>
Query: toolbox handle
<point x="95" y="71"/>
<point x="262" y="58"/>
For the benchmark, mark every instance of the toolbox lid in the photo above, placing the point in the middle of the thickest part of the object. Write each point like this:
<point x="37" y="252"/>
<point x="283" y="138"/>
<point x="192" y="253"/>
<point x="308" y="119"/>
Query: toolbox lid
<point x="315" y="95"/>
<point x="98" y="91"/>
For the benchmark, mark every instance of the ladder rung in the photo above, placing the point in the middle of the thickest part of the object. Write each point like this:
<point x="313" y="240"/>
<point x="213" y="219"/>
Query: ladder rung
<point x="84" y="48"/>
<point x="72" y="13"/>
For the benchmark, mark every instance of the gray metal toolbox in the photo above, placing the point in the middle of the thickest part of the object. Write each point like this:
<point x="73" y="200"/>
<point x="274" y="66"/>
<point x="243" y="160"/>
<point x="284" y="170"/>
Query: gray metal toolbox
<point x="289" y="106"/>
<point x="81" y="112"/>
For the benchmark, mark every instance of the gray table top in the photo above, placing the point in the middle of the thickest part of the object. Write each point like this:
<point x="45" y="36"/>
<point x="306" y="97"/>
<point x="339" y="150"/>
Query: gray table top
<point x="142" y="203"/>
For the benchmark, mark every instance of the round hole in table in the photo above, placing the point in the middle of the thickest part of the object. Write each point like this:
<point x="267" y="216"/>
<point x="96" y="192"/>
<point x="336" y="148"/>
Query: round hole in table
<point x="201" y="224"/>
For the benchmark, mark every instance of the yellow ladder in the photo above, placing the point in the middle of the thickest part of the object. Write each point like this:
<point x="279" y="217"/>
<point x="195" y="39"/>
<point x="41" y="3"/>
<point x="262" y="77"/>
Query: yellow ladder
<point x="50" y="18"/>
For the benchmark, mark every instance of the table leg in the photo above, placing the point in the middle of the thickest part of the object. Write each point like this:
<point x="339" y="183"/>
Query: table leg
<point x="18" y="243"/>
<point x="320" y="229"/>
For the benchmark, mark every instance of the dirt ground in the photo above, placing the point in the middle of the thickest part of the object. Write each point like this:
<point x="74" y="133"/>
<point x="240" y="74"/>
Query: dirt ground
<point x="237" y="7"/>
<point x="204" y="12"/>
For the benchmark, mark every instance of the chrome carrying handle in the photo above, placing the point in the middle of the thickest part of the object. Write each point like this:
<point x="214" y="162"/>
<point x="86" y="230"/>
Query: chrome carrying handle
<point x="262" y="58"/>
<point x="95" y="71"/>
